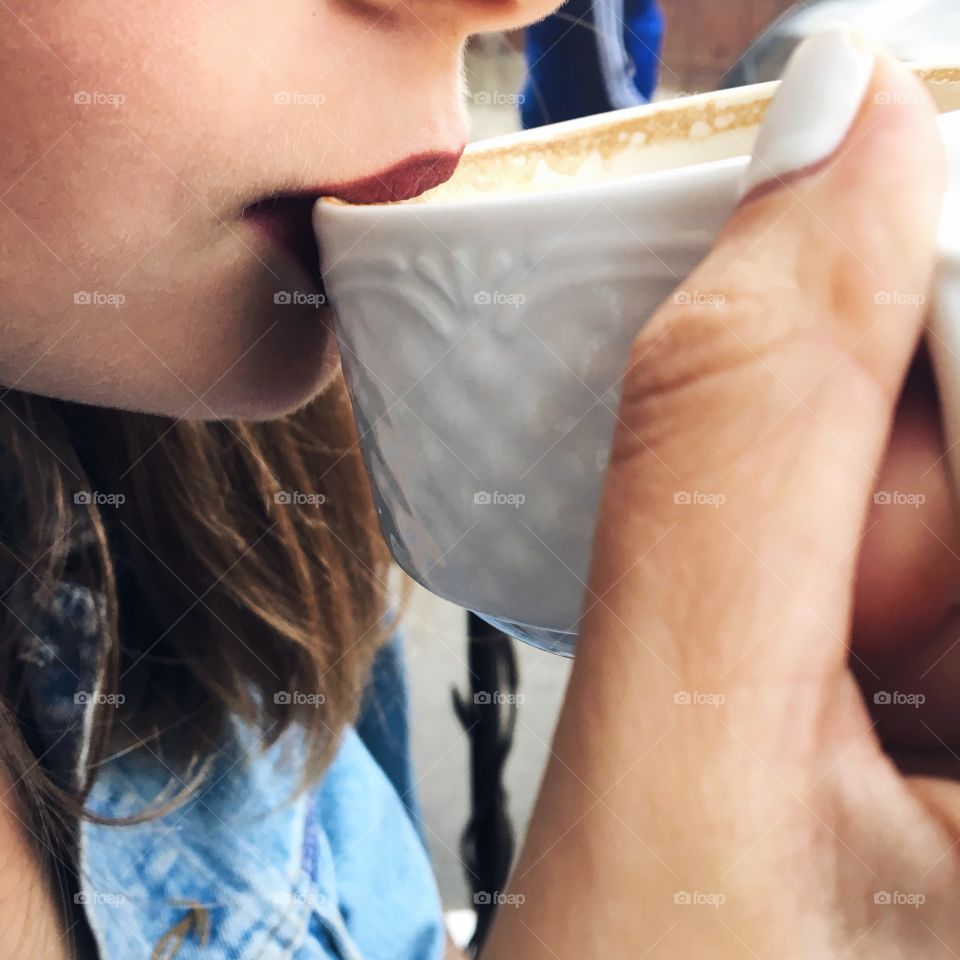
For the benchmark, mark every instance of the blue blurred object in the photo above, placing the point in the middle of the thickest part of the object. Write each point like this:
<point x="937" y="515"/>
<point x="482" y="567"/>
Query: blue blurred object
<point x="384" y="722"/>
<point x="589" y="57"/>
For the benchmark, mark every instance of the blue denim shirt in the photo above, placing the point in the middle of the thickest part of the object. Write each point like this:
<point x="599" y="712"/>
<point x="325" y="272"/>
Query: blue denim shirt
<point x="241" y="870"/>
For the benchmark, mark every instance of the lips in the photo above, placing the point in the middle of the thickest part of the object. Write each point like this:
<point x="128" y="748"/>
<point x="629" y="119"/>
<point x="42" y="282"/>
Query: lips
<point x="402" y="181"/>
<point x="286" y="217"/>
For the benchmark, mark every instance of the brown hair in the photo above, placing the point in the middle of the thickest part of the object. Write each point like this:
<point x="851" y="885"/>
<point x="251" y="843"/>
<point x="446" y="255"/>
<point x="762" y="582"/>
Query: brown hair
<point x="239" y="566"/>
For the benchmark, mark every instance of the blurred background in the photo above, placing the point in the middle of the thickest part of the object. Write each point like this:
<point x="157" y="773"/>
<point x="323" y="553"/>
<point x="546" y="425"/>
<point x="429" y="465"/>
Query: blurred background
<point x="587" y="58"/>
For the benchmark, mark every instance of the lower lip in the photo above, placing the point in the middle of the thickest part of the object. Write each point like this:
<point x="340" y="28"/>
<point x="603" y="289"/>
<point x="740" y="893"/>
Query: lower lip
<point x="288" y="219"/>
<point x="285" y="229"/>
<point x="287" y="223"/>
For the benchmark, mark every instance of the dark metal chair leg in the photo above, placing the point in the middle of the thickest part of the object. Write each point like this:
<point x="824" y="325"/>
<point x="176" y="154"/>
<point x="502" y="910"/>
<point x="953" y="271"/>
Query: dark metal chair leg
<point x="488" y="714"/>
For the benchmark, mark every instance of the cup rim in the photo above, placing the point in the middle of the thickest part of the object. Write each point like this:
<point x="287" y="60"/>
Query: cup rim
<point x="747" y="103"/>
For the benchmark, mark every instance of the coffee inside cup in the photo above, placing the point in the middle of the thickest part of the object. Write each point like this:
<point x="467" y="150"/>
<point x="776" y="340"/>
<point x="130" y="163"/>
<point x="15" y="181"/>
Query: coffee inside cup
<point x="641" y="140"/>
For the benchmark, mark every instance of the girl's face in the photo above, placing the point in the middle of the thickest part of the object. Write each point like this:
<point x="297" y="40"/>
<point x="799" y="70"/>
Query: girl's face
<point x="139" y="264"/>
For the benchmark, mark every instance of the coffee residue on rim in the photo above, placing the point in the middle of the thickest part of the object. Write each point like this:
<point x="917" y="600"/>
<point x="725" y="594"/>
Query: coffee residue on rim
<point x="490" y="167"/>
<point x="487" y="169"/>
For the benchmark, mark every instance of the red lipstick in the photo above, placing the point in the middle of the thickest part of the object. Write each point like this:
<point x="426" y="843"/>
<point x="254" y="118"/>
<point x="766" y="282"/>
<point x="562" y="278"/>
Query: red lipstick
<point x="404" y="180"/>
<point x="287" y="217"/>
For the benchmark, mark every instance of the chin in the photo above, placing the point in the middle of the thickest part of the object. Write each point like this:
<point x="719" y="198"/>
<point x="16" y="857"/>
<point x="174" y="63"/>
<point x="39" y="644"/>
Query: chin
<point x="290" y="365"/>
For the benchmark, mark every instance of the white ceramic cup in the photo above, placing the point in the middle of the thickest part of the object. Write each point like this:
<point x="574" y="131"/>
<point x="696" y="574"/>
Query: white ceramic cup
<point x="484" y="327"/>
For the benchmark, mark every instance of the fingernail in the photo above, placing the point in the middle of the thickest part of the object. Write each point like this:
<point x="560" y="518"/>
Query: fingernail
<point x="814" y="108"/>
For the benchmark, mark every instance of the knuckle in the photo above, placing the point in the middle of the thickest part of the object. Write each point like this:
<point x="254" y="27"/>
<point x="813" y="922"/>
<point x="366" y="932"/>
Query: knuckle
<point x="704" y="331"/>
<point x="716" y="369"/>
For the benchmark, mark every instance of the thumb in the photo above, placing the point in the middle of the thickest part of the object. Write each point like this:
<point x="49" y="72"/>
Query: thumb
<point x="754" y="413"/>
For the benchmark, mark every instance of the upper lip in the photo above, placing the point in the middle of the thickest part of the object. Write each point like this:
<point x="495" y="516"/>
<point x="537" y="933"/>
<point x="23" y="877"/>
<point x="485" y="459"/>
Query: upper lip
<point x="287" y="214"/>
<point x="404" y="180"/>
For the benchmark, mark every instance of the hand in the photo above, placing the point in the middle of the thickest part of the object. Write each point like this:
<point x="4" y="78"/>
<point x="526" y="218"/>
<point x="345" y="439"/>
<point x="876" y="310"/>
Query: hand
<point x="718" y="788"/>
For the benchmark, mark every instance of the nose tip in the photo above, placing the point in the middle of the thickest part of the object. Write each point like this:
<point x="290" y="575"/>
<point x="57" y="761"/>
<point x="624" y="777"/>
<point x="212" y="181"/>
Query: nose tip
<point x="481" y="16"/>
<point x="507" y="14"/>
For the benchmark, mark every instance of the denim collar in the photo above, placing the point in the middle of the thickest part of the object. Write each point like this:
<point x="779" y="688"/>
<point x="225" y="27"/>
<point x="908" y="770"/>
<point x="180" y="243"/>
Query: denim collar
<point x="247" y="868"/>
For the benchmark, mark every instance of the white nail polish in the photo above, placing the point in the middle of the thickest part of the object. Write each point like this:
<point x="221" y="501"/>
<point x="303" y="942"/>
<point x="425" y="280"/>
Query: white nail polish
<point x="814" y="108"/>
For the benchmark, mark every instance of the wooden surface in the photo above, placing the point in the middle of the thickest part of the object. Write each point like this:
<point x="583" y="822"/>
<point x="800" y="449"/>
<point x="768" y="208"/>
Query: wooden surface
<point x="705" y="37"/>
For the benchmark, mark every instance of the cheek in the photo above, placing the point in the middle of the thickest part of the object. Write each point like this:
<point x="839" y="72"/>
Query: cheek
<point x="85" y="182"/>
<point x="134" y="133"/>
